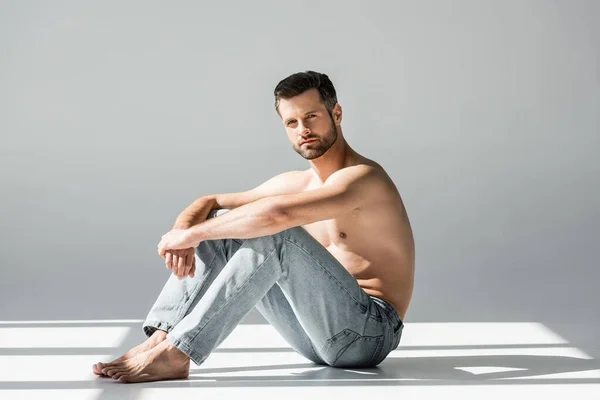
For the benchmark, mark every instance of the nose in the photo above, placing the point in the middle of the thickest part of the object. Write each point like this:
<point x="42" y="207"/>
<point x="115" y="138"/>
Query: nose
<point x="303" y="129"/>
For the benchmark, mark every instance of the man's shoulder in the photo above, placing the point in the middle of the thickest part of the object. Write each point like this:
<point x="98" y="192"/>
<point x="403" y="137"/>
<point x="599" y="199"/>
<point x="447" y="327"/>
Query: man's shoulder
<point x="370" y="179"/>
<point x="356" y="173"/>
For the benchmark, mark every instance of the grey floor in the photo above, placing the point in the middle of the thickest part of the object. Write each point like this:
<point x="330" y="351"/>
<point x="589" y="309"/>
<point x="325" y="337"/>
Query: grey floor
<point x="468" y="360"/>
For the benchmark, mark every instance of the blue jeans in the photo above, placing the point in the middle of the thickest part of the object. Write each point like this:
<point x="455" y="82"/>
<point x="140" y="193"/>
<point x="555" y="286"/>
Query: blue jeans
<point x="294" y="282"/>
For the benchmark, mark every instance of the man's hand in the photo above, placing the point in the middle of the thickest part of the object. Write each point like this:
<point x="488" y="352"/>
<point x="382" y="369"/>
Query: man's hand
<point x="177" y="248"/>
<point x="177" y="239"/>
<point x="181" y="262"/>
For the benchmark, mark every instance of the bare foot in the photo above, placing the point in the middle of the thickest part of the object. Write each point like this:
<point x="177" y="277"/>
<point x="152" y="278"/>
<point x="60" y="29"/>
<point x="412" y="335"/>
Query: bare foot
<point x="157" y="337"/>
<point x="164" y="361"/>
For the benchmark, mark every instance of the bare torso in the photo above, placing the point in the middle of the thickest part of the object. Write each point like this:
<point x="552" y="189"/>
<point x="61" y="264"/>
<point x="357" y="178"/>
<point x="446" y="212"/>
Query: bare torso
<point x="374" y="243"/>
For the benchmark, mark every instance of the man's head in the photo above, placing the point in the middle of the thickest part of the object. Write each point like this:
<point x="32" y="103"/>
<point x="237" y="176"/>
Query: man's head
<point x="308" y="107"/>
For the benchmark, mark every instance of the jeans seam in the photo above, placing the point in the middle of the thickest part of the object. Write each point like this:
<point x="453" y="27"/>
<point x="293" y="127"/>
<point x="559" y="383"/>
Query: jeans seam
<point x="233" y="296"/>
<point x="326" y="271"/>
<point x="378" y="349"/>
<point x="186" y="306"/>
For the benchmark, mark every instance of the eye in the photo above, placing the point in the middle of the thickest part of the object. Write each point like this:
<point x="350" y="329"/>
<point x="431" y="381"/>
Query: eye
<point x="289" y="122"/>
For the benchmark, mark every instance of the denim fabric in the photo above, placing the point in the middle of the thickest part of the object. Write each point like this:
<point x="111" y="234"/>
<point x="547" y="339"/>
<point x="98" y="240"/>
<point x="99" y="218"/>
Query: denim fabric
<point x="294" y="282"/>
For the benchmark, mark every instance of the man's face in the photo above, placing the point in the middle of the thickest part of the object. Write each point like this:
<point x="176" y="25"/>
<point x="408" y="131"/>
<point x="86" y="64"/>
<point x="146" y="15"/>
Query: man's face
<point x="304" y="118"/>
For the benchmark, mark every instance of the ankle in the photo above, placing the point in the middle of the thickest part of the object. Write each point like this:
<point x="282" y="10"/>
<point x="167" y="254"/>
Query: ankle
<point x="174" y="352"/>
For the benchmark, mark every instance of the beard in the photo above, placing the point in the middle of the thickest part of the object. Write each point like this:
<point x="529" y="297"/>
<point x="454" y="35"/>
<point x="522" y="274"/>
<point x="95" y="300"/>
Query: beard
<point x="319" y="147"/>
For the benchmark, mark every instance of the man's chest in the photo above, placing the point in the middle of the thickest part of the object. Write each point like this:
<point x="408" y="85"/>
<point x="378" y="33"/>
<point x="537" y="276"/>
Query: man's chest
<point x="340" y="232"/>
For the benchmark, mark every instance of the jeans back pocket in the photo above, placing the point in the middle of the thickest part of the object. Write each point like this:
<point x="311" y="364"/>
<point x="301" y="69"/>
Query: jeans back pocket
<point x="350" y="349"/>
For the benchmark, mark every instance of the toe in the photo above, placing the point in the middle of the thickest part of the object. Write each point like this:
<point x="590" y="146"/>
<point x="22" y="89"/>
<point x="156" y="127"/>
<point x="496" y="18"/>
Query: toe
<point x="111" y="368"/>
<point x="123" y="378"/>
<point x="115" y="371"/>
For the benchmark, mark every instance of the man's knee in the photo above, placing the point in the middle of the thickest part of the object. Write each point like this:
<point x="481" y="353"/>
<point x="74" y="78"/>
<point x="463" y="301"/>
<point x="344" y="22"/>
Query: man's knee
<point x="217" y="212"/>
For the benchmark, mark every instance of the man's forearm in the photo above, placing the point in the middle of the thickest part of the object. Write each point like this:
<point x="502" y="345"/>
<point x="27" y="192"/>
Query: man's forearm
<point x="256" y="219"/>
<point x="195" y="213"/>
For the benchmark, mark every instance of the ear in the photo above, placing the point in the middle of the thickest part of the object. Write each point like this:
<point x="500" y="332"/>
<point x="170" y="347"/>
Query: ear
<point x="337" y="113"/>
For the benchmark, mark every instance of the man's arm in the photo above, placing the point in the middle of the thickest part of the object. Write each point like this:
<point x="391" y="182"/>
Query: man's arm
<point x="194" y="213"/>
<point x="342" y="192"/>
<point x="198" y="211"/>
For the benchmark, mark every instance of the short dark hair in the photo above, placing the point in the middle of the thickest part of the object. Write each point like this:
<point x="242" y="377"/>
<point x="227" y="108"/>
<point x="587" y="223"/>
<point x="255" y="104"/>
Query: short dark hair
<point x="300" y="82"/>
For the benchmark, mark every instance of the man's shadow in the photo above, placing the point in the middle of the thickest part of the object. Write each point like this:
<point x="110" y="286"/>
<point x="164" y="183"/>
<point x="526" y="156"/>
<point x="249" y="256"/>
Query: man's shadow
<point x="409" y="370"/>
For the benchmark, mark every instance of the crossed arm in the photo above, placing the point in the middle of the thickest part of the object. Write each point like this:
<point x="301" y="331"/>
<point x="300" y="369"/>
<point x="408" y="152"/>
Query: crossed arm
<point x="341" y="193"/>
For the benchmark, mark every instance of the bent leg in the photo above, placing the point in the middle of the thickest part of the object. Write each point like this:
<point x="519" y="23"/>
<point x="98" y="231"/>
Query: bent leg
<point x="345" y="325"/>
<point x="343" y="322"/>
<point x="178" y="297"/>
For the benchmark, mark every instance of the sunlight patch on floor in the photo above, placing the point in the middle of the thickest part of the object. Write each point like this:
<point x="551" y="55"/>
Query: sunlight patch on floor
<point x="63" y="337"/>
<point x="466" y="360"/>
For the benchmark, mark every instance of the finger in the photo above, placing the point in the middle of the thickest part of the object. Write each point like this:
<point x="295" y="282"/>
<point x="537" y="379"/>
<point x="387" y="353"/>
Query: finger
<point x="168" y="260"/>
<point x="175" y="264"/>
<point x="189" y="259"/>
<point x="193" y="269"/>
<point x="181" y="267"/>
<point x="171" y="256"/>
<point x="161" y="249"/>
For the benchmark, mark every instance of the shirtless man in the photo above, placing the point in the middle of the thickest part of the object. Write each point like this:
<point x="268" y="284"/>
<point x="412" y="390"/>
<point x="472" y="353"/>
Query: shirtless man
<point x="328" y="255"/>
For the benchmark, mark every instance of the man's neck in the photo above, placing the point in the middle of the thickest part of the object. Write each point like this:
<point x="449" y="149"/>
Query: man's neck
<point x="339" y="156"/>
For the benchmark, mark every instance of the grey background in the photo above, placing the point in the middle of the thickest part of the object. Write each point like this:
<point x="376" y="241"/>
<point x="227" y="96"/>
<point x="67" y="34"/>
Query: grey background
<point x="114" y="116"/>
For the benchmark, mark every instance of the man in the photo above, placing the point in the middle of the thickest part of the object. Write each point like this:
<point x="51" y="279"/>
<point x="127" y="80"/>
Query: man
<point x="326" y="255"/>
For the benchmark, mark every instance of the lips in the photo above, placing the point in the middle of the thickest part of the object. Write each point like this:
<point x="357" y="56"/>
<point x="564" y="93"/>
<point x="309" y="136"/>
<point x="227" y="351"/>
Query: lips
<point x="307" y="141"/>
